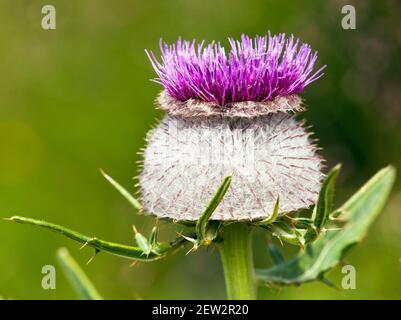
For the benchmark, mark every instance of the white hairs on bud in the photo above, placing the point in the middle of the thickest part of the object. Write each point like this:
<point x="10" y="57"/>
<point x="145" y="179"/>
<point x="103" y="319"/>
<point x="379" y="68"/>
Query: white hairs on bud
<point x="267" y="156"/>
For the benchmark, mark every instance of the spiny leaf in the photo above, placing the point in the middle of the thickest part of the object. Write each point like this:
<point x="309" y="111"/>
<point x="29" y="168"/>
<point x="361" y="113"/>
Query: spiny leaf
<point x="135" y="203"/>
<point x="212" y="231"/>
<point x="141" y="241"/>
<point x="325" y="199"/>
<point x="202" y="223"/>
<point x="77" y="278"/>
<point x="128" y="252"/>
<point x="329" y="249"/>
<point x="287" y="233"/>
<point x="274" y="215"/>
<point x="153" y="236"/>
<point x="335" y="214"/>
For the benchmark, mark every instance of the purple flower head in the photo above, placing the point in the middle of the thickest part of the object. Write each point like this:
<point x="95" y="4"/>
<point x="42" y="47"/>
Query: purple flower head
<point x="255" y="69"/>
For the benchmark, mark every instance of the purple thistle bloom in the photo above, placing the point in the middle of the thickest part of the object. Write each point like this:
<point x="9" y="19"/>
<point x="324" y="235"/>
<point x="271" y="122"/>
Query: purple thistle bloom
<point x="256" y="69"/>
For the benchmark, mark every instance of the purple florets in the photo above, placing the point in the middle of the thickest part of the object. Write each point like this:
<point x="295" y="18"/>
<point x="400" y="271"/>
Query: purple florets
<point x="255" y="69"/>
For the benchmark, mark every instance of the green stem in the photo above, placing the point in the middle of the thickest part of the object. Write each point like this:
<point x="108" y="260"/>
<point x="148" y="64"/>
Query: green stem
<point x="236" y="256"/>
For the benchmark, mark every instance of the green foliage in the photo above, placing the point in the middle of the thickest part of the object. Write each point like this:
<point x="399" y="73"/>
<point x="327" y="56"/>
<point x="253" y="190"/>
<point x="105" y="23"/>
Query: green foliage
<point x="273" y="216"/>
<point x="324" y="203"/>
<point x="134" y="202"/>
<point x="301" y="231"/>
<point x="121" y="250"/>
<point x="142" y="242"/>
<point x="207" y="230"/>
<point x="147" y="250"/>
<point x="78" y="279"/>
<point x="329" y="249"/>
<point x="203" y="221"/>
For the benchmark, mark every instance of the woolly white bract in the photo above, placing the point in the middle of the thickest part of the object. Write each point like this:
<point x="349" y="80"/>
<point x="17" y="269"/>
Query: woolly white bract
<point x="268" y="156"/>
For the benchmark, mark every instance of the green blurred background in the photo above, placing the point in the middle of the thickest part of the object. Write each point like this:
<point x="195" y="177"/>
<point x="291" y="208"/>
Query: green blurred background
<point x="78" y="98"/>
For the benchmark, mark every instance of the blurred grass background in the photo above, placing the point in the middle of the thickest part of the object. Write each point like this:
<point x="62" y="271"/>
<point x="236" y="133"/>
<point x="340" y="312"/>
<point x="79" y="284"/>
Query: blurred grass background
<point x="78" y="99"/>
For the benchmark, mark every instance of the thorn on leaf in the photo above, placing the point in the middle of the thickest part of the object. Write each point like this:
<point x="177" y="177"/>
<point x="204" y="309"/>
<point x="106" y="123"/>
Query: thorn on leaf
<point x="93" y="257"/>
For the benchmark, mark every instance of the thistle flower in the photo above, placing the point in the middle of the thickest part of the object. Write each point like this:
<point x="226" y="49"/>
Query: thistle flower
<point x="259" y="69"/>
<point x="230" y="114"/>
